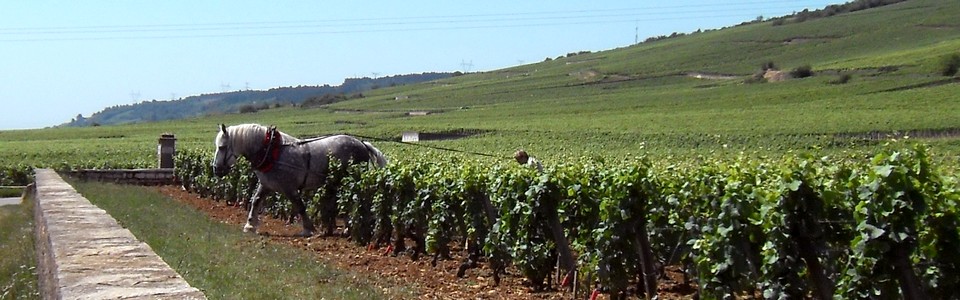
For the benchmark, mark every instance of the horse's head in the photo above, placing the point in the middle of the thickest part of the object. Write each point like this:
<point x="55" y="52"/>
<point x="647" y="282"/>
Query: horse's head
<point x="224" y="158"/>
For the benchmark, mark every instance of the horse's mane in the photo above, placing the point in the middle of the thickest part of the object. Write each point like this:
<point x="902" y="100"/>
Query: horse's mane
<point x="248" y="138"/>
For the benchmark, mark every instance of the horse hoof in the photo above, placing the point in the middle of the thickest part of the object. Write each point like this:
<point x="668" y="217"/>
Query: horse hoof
<point x="249" y="228"/>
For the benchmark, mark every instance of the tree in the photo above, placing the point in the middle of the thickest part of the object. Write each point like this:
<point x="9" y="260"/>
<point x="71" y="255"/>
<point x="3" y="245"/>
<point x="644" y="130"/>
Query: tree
<point x="768" y="66"/>
<point x="950" y="65"/>
<point x="248" y="109"/>
<point x="802" y="72"/>
<point x="843" y="79"/>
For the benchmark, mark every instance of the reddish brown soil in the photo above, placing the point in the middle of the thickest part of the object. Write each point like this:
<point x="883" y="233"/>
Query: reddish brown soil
<point x="429" y="282"/>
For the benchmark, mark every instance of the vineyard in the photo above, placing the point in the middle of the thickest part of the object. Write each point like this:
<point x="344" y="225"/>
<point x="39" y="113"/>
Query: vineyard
<point x="721" y="190"/>
<point x="797" y="226"/>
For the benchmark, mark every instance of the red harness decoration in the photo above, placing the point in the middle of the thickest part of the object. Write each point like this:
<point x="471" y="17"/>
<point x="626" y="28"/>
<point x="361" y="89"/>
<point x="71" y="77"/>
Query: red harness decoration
<point x="271" y="150"/>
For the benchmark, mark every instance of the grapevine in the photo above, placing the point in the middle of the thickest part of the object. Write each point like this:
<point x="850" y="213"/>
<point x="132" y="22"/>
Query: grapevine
<point x="744" y="227"/>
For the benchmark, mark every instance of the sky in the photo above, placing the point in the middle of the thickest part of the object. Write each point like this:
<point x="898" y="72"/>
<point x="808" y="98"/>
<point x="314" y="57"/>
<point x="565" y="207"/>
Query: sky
<point x="59" y="59"/>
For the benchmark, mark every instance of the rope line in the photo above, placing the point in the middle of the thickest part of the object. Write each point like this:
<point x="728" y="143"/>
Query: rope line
<point x="317" y="138"/>
<point x="432" y="147"/>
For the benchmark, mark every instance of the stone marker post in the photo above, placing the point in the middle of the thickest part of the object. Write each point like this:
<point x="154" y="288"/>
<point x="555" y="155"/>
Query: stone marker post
<point x="166" y="149"/>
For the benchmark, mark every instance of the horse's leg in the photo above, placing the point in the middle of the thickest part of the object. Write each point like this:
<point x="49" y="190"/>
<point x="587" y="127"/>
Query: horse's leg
<point x="256" y="205"/>
<point x="300" y="209"/>
<point x="419" y="239"/>
<point x="473" y="256"/>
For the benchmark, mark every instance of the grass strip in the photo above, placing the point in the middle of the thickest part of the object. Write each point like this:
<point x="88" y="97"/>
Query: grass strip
<point x="18" y="259"/>
<point x="219" y="259"/>
<point x="10" y="192"/>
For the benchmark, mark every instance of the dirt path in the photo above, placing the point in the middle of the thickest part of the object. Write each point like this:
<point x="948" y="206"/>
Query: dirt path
<point x="9" y="201"/>
<point x="712" y="76"/>
<point x="438" y="282"/>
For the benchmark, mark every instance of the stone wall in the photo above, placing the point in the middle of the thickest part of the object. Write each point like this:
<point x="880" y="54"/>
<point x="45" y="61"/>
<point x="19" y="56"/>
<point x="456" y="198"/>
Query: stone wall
<point x="127" y="176"/>
<point x="83" y="253"/>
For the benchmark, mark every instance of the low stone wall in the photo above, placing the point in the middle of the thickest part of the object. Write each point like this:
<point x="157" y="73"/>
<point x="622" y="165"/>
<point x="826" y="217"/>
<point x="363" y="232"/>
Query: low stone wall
<point x="127" y="176"/>
<point x="83" y="253"/>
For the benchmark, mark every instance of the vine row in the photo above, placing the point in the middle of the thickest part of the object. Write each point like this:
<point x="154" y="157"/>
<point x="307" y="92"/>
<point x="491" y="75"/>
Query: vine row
<point x="798" y="226"/>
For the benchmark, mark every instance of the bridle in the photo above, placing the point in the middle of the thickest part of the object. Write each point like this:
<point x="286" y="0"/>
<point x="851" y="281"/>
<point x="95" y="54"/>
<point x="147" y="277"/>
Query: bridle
<point x="227" y="156"/>
<point x="265" y="158"/>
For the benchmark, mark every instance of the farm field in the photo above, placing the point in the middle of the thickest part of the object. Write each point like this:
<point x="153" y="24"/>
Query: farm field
<point x="608" y="104"/>
<point x="419" y="277"/>
<point x="786" y="226"/>
<point x="876" y="90"/>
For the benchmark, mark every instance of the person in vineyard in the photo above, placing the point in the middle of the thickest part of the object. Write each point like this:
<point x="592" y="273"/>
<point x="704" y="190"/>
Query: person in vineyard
<point x="526" y="160"/>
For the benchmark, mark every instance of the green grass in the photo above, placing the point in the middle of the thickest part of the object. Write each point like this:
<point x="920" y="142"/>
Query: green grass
<point x="10" y="192"/>
<point x="18" y="262"/>
<point x="219" y="259"/>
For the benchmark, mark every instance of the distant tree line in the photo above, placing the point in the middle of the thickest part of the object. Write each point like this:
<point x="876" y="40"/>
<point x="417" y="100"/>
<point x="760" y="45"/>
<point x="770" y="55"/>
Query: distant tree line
<point x="328" y="99"/>
<point x="245" y="101"/>
<point x="252" y="108"/>
<point x="798" y="17"/>
<point x="672" y="35"/>
<point x="831" y="10"/>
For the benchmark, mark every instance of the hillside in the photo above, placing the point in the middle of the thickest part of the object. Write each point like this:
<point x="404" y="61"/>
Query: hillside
<point x="232" y="102"/>
<point x="876" y="76"/>
<point x="876" y="70"/>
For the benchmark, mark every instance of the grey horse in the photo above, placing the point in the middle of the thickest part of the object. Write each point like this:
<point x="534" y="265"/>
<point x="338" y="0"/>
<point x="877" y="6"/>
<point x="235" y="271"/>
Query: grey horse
<point x="286" y="164"/>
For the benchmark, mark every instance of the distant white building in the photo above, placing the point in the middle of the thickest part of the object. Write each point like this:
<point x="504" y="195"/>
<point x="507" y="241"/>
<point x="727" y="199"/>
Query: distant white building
<point x="418" y="113"/>
<point x="410" y="136"/>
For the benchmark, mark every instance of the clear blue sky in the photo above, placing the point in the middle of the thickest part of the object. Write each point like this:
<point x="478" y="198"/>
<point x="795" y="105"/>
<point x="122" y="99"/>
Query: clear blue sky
<point x="63" y="58"/>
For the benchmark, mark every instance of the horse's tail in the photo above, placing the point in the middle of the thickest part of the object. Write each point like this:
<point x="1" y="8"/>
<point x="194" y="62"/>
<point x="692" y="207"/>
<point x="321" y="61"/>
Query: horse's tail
<point x="376" y="156"/>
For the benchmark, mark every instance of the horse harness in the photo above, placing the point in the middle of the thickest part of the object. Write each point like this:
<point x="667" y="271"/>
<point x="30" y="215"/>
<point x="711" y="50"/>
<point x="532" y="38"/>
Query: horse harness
<point x="270" y="151"/>
<point x="272" y="141"/>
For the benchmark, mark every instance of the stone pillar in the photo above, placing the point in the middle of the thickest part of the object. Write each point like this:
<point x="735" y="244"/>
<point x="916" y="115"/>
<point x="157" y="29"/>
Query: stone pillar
<point x="166" y="148"/>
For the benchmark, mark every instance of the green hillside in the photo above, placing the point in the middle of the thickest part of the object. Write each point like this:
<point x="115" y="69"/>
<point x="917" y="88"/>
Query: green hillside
<point x="643" y="93"/>
<point x="240" y="101"/>
<point x="876" y="73"/>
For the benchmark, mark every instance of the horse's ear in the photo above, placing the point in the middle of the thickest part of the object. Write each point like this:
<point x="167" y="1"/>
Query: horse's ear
<point x="223" y="128"/>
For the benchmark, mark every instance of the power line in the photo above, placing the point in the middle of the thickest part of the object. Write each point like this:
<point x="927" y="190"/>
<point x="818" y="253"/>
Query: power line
<point x="134" y="96"/>
<point x="350" y="31"/>
<point x="405" y="20"/>
<point x="341" y="23"/>
<point x="636" y="33"/>
<point x="373" y="25"/>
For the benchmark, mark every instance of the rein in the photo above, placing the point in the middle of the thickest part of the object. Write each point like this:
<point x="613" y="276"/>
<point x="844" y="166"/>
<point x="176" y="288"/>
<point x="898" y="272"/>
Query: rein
<point x="272" y="143"/>
<point x="432" y="147"/>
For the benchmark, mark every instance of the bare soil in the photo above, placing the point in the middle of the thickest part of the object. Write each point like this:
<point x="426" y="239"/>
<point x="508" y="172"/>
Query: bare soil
<point x="429" y="282"/>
